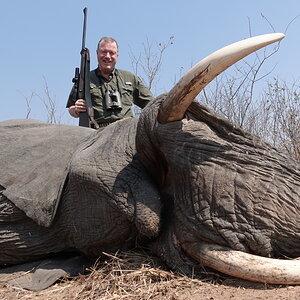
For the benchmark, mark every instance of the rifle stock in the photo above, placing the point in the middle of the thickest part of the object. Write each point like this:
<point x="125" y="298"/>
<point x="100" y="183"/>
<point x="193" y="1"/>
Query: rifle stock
<point x="84" y="87"/>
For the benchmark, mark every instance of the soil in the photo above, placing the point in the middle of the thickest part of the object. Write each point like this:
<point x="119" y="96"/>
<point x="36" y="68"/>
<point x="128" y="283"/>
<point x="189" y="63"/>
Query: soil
<point x="134" y="275"/>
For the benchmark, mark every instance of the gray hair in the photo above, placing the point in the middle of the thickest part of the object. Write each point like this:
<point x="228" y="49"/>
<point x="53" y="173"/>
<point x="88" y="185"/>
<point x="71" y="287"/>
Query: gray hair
<point x="108" y="40"/>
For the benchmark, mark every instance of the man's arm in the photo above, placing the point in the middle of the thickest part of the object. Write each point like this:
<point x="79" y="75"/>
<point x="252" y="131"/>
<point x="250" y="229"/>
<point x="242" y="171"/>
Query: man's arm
<point x="75" y="107"/>
<point x="142" y="95"/>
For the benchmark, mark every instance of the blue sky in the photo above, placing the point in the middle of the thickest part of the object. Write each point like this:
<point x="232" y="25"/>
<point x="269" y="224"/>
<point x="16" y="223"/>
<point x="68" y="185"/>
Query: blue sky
<point x="41" y="40"/>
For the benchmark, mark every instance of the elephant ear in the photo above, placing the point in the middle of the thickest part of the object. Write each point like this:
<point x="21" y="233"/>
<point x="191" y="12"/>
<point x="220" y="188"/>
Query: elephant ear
<point x="34" y="164"/>
<point x="106" y="166"/>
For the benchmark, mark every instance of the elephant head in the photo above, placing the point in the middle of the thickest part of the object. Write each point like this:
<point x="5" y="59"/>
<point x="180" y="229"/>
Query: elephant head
<point x="231" y="201"/>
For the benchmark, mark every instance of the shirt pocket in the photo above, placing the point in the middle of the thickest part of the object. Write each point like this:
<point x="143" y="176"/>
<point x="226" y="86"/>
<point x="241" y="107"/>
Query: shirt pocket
<point x="127" y="95"/>
<point x="96" y="95"/>
<point x="127" y="89"/>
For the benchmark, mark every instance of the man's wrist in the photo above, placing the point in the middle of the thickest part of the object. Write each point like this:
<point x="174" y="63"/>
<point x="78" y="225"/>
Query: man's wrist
<point x="73" y="112"/>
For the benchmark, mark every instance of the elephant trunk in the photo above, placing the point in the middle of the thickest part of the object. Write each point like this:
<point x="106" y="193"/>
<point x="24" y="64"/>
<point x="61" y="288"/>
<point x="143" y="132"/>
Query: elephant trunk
<point x="244" y="265"/>
<point x="190" y="85"/>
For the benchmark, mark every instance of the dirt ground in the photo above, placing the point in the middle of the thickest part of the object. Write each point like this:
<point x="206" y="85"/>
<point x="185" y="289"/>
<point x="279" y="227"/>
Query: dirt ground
<point x="134" y="275"/>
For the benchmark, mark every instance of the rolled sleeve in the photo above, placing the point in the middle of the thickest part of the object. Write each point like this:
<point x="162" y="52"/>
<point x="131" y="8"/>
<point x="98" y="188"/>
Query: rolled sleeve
<point x="142" y="94"/>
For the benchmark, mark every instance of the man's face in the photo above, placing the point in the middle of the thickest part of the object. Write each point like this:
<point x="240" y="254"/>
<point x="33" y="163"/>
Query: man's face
<point x="107" y="55"/>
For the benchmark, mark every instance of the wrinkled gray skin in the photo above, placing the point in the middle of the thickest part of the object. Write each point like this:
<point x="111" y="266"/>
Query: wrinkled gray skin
<point x="107" y="203"/>
<point x="198" y="179"/>
<point x="220" y="185"/>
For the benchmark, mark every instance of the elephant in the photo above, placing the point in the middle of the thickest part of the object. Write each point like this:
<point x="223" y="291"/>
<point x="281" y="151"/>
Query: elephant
<point x="181" y="180"/>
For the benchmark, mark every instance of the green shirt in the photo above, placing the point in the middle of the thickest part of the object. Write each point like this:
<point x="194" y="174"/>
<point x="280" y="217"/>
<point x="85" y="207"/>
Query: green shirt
<point x="131" y="90"/>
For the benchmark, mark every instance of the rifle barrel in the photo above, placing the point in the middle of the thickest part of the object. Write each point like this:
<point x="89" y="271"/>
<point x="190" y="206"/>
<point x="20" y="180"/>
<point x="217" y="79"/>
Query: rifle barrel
<point x="84" y="27"/>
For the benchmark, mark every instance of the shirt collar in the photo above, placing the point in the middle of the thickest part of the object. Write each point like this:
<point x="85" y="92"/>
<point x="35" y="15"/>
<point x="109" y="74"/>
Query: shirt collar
<point x="112" y="74"/>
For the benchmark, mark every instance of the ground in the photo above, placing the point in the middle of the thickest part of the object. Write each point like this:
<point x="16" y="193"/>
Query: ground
<point x="136" y="275"/>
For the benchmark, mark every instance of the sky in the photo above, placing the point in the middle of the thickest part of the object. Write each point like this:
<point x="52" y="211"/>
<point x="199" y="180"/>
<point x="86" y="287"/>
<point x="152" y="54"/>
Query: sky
<point x="41" y="41"/>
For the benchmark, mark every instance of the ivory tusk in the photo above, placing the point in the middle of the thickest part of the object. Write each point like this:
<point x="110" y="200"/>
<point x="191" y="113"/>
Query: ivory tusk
<point x="190" y="85"/>
<point x="244" y="265"/>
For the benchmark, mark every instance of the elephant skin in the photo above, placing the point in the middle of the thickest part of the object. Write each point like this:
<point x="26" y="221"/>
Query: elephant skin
<point x="177" y="179"/>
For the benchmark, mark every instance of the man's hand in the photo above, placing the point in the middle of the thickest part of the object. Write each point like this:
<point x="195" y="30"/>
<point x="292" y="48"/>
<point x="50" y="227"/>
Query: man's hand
<point x="76" y="109"/>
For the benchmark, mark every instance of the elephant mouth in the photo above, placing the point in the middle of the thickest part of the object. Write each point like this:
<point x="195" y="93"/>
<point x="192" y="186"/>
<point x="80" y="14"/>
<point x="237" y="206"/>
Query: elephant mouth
<point x="173" y="108"/>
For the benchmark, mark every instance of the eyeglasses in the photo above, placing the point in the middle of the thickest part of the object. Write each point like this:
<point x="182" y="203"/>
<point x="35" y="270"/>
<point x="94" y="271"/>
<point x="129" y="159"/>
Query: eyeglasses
<point x="105" y="53"/>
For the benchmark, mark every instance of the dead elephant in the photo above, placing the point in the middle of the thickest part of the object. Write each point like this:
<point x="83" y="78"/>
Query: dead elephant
<point x="182" y="180"/>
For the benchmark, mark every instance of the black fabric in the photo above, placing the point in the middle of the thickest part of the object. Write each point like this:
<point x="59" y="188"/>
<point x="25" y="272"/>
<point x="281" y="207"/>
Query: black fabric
<point x="34" y="164"/>
<point x="41" y="274"/>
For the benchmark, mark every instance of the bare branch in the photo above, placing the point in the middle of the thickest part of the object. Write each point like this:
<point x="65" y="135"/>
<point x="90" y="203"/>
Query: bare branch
<point x="288" y="25"/>
<point x="264" y="17"/>
<point x="150" y="61"/>
<point x="49" y="103"/>
<point x="28" y="103"/>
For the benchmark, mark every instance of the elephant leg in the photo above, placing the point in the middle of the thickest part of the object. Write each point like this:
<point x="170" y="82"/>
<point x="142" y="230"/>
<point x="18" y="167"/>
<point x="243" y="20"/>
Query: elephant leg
<point x="21" y="239"/>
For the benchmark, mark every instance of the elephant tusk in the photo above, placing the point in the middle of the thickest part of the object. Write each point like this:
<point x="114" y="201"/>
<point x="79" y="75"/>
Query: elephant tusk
<point x="190" y="85"/>
<point x="244" y="265"/>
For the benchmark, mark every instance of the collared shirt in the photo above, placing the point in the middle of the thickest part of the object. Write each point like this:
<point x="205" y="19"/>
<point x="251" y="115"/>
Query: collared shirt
<point x="131" y="90"/>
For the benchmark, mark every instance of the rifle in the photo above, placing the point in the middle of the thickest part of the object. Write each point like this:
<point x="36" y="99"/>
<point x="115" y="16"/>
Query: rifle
<point x="81" y="82"/>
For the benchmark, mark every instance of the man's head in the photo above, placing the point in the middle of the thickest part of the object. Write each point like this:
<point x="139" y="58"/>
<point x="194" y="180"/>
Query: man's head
<point x="107" y="54"/>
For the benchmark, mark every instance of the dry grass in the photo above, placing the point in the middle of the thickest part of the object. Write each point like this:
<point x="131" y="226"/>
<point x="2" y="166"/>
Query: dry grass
<point x="136" y="275"/>
<point x="130" y="275"/>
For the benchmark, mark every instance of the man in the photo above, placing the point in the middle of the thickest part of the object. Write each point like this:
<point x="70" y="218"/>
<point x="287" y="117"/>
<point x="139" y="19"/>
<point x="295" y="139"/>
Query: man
<point x="113" y="91"/>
